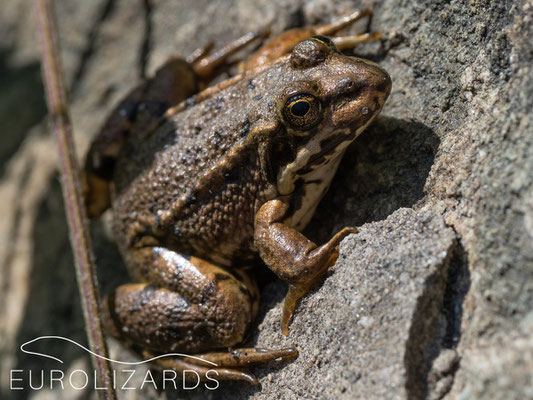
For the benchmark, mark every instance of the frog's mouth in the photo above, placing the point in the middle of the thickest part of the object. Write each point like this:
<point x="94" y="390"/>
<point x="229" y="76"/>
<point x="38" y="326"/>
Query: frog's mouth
<point x="313" y="155"/>
<point x="334" y="143"/>
<point x="359" y="98"/>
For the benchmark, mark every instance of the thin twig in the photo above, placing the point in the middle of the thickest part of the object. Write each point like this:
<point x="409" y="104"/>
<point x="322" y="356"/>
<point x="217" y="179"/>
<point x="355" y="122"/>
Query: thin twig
<point x="77" y="219"/>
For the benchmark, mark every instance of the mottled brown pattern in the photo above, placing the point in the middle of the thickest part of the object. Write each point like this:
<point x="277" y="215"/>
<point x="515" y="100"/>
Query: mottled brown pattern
<point x="189" y="304"/>
<point x="200" y="177"/>
<point x="223" y="178"/>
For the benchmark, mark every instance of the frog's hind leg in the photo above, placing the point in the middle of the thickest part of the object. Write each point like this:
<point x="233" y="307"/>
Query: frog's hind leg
<point x="137" y="113"/>
<point x="190" y="306"/>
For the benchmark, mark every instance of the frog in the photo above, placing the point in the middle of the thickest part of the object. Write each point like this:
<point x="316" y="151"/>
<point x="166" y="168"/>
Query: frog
<point x="220" y="178"/>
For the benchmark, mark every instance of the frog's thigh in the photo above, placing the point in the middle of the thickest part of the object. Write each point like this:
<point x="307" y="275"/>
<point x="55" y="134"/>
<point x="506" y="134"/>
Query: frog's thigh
<point x="189" y="305"/>
<point x="290" y="255"/>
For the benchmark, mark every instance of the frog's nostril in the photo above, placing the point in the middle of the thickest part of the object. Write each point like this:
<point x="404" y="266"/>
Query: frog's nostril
<point x="346" y="85"/>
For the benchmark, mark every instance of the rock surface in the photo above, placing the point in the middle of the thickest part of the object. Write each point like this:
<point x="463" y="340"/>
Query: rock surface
<point x="433" y="299"/>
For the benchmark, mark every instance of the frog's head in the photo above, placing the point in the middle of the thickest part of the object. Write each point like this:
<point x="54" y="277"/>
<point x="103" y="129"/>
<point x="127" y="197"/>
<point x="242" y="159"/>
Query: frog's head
<point x="331" y="102"/>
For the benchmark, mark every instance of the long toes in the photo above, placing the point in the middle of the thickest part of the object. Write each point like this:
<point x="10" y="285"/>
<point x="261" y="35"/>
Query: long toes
<point x="194" y="372"/>
<point x="225" y="365"/>
<point x="244" y="357"/>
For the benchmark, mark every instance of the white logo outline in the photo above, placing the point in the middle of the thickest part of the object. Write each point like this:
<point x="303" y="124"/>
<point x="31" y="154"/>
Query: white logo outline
<point x="100" y="356"/>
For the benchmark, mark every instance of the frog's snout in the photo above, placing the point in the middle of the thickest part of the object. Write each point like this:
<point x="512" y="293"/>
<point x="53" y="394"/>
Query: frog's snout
<point x="360" y="95"/>
<point x="379" y="79"/>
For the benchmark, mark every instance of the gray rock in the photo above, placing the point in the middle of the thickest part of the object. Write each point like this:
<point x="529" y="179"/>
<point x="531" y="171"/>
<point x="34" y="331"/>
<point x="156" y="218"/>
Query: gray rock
<point x="372" y="329"/>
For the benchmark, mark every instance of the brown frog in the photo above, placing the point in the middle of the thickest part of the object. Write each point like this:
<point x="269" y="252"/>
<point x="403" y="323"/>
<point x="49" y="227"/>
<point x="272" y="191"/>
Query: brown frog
<point x="233" y="172"/>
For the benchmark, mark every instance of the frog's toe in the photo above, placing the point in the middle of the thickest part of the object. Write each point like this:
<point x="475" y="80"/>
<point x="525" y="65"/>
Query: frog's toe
<point x="243" y="357"/>
<point x="300" y="288"/>
<point x="226" y="365"/>
<point x="295" y="293"/>
<point x="190" y="369"/>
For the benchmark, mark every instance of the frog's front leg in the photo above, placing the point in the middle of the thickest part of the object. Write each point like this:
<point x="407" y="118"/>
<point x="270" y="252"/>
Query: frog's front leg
<point x="190" y="306"/>
<point x="290" y="255"/>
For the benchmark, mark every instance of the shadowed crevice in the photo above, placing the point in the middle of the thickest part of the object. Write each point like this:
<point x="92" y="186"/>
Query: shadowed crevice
<point x="437" y="329"/>
<point x="457" y="287"/>
<point x="424" y="342"/>
<point x="22" y="104"/>
<point x="383" y="170"/>
<point x="92" y="38"/>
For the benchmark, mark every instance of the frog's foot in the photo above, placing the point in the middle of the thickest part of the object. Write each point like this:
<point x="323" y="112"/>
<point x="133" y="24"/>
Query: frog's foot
<point x="207" y="65"/>
<point x="299" y="288"/>
<point x="199" y="53"/>
<point x="349" y="42"/>
<point x="226" y="365"/>
<point x="283" y="44"/>
<point x="334" y="27"/>
<point x="292" y="256"/>
<point x="190" y="306"/>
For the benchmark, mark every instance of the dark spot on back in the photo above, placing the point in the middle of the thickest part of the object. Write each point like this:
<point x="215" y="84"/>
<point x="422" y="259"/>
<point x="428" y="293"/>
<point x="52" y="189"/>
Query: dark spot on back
<point x="245" y="130"/>
<point x="244" y="291"/>
<point x="190" y="200"/>
<point x="232" y="175"/>
<point x="191" y="101"/>
<point x="104" y="167"/>
<point x="222" y="277"/>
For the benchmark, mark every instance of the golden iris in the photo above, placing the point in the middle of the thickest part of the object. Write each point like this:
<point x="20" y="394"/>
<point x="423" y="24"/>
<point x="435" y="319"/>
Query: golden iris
<point x="302" y="111"/>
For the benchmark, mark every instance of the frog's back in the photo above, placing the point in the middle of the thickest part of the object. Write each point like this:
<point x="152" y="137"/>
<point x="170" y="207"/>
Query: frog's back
<point x="197" y="177"/>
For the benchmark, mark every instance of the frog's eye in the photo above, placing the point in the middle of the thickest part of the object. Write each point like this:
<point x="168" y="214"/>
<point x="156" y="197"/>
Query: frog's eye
<point x="302" y="111"/>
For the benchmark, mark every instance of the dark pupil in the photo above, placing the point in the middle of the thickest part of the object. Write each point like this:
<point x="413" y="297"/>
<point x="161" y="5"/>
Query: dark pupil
<point x="300" y="108"/>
